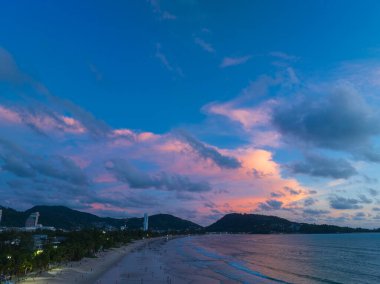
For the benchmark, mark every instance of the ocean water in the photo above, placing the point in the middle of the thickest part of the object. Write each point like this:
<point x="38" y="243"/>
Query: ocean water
<point x="330" y="258"/>
<point x="230" y="259"/>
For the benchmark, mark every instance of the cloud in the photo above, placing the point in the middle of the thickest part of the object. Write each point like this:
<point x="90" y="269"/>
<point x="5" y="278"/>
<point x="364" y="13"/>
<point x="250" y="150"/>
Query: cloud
<point x="157" y="9"/>
<point x="208" y="152"/>
<point x="283" y="56"/>
<point x="315" y="212"/>
<point x="23" y="164"/>
<point x="342" y="203"/>
<point x="315" y="165"/>
<point x="233" y="61"/>
<point x="372" y="191"/>
<point x="43" y="111"/>
<point x="97" y="128"/>
<point x="370" y="180"/>
<point x="292" y="191"/>
<point x="259" y="174"/>
<point x="359" y="216"/>
<point x="341" y="120"/>
<point x="309" y="201"/>
<point x="276" y="194"/>
<point x="205" y="45"/>
<point x="165" y="62"/>
<point x="135" y="178"/>
<point x="269" y="205"/>
<point x="364" y="199"/>
<point x="9" y="70"/>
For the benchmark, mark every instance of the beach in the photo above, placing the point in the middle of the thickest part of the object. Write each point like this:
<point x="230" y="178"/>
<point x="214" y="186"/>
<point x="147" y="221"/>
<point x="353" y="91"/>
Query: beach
<point x="162" y="260"/>
<point x="159" y="262"/>
<point x="88" y="270"/>
<point x="230" y="259"/>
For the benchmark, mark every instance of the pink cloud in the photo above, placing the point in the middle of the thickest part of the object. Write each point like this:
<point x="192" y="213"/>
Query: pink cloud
<point x="248" y="117"/>
<point x="105" y="178"/>
<point x="41" y="121"/>
<point x="9" y="115"/>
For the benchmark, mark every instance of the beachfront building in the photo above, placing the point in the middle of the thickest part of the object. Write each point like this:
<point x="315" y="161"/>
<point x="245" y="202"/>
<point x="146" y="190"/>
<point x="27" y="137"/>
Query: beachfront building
<point x="146" y="220"/>
<point x="32" y="220"/>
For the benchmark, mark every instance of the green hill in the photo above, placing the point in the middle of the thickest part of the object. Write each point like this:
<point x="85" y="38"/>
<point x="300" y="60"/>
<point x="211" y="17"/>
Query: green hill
<point x="65" y="218"/>
<point x="163" y="222"/>
<point x="262" y="224"/>
<point x="251" y="223"/>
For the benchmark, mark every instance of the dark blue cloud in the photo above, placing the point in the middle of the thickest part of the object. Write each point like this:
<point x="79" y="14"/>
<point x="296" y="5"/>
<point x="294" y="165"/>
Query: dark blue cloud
<point x="315" y="212"/>
<point x="339" y="121"/>
<point x="269" y="205"/>
<point x="276" y="194"/>
<point x="292" y="191"/>
<point x="342" y="203"/>
<point x="364" y="199"/>
<point x="359" y="216"/>
<point x="135" y="178"/>
<point x="17" y="161"/>
<point x="372" y="191"/>
<point x="315" y="165"/>
<point x="309" y="201"/>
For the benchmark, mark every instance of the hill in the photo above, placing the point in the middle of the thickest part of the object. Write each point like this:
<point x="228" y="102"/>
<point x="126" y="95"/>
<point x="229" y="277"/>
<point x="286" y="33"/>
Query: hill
<point x="12" y="218"/>
<point x="251" y="223"/>
<point x="262" y="224"/>
<point x="164" y="222"/>
<point x="65" y="218"/>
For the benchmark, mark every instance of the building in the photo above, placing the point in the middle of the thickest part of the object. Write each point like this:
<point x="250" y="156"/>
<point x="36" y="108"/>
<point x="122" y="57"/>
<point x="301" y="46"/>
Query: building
<point x="146" y="220"/>
<point x="39" y="241"/>
<point x="1" y="215"/>
<point x="32" y="220"/>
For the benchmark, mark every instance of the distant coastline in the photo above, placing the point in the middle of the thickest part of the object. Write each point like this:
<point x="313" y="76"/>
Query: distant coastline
<point x="64" y="218"/>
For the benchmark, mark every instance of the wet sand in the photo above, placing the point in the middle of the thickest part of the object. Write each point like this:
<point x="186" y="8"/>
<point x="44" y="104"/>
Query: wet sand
<point x="154" y="262"/>
<point x="181" y="260"/>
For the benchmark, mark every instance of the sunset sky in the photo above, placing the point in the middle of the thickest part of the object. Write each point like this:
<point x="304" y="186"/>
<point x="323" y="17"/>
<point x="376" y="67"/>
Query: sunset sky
<point x="193" y="108"/>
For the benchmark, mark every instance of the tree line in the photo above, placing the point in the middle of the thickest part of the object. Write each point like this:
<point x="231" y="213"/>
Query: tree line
<point x="20" y="257"/>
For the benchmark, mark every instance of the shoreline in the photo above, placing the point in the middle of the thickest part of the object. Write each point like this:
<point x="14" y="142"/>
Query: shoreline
<point x="87" y="270"/>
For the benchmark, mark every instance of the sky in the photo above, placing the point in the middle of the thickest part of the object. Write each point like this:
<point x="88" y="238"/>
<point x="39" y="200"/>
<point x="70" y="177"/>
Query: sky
<point x="192" y="108"/>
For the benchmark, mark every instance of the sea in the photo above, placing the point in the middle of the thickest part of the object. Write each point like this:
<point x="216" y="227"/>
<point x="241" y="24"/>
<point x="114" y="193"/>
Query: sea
<point x="244" y="258"/>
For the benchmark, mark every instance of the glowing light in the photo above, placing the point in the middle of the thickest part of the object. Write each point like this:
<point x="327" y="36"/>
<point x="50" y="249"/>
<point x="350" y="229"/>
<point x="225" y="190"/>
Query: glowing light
<point x="38" y="252"/>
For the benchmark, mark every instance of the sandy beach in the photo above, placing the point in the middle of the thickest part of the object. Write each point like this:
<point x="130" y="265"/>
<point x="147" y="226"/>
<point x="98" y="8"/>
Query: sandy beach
<point x="87" y="270"/>
<point x="158" y="260"/>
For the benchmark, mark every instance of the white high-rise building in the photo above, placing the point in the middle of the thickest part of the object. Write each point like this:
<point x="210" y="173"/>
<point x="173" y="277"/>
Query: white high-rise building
<point x="32" y="220"/>
<point x="146" y="220"/>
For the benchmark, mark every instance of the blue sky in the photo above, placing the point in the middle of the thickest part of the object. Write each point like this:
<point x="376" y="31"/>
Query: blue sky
<point x="119" y="41"/>
<point x="162" y="86"/>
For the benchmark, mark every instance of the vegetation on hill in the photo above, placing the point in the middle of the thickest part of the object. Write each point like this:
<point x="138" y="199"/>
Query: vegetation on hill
<point x="68" y="219"/>
<point x="163" y="222"/>
<point x="251" y="223"/>
<point x="262" y="224"/>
